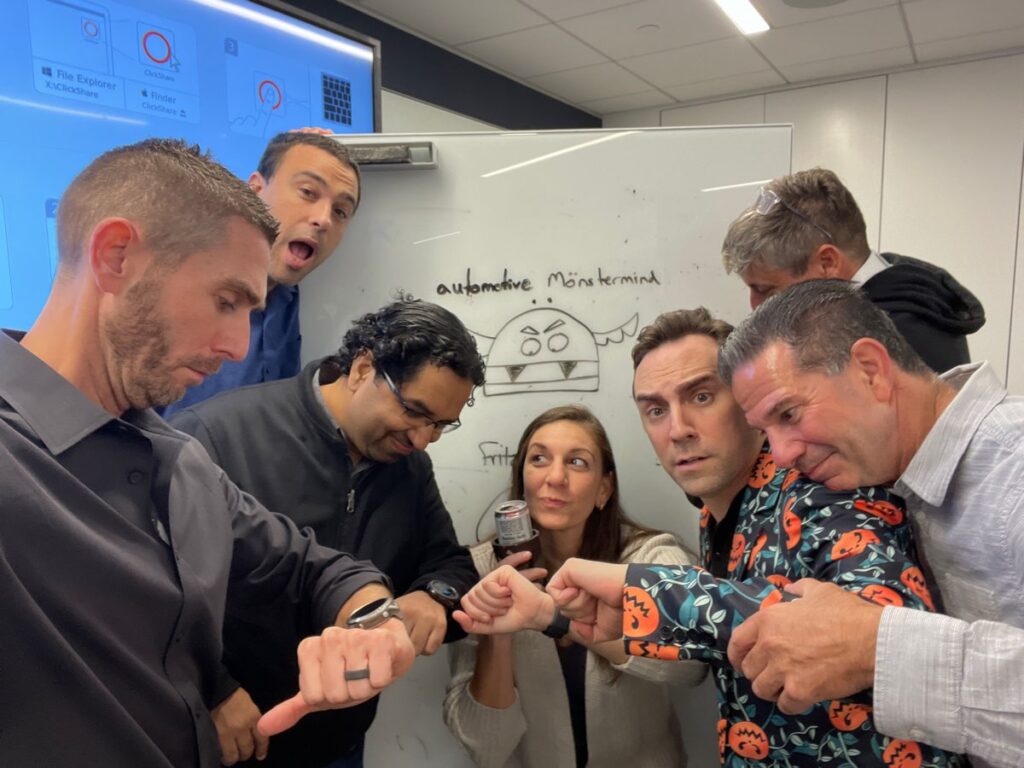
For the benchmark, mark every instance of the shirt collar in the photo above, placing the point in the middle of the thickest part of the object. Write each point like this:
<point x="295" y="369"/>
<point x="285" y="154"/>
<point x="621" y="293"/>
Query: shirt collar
<point x="872" y="265"/>
<point x="931" y="471"/>
<point x="57" y="411"/>
<point x="318" y="395"/>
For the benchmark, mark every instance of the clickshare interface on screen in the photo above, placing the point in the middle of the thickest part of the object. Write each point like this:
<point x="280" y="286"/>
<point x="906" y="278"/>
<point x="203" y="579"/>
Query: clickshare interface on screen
<point x="78" y="77"/>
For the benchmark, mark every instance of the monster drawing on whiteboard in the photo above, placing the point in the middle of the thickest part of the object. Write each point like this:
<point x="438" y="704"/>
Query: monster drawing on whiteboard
<point x="547" y="350"/>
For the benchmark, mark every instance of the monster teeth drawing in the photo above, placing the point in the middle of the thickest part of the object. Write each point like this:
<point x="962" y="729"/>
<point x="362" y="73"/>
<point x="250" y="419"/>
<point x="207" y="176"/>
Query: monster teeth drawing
<point x="547" y="350"/>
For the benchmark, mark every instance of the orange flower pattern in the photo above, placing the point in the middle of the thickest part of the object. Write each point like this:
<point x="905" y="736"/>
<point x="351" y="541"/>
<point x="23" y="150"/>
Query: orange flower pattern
<point x="784" y="528"/>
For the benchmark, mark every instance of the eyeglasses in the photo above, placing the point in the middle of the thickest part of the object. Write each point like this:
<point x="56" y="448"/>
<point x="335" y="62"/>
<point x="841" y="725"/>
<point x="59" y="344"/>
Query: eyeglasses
<point x="418" y="417"/>
<point x="767" y="200"/>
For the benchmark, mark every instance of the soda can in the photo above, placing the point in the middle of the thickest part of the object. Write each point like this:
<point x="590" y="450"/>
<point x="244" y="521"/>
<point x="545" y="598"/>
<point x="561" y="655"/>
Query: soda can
<point x="512" y="523"/>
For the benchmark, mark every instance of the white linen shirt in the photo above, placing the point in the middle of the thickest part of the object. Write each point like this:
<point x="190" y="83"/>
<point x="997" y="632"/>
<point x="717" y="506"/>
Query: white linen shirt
<point x="957" y="680"/>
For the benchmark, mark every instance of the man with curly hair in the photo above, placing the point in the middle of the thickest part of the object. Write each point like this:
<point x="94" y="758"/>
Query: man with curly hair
<point x="341" y="449"/>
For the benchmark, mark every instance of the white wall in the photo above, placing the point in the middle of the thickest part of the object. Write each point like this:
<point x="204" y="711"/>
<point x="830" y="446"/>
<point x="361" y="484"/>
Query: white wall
<point x="401" y="114"/>
<point x="934" y="158"/>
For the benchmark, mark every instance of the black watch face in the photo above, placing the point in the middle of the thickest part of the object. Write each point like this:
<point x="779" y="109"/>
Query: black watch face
<point x="443" y="590"/>
<point x="367" y="609"/>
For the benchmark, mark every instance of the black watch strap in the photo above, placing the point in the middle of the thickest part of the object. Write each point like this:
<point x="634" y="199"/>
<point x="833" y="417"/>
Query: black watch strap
<point x="444" y="593"/>
<point x="559" y="626"/>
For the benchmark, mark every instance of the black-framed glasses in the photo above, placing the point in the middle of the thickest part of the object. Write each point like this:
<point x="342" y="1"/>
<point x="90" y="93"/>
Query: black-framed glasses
<point x="768" y="199"/>
<point x="415" y="415"/>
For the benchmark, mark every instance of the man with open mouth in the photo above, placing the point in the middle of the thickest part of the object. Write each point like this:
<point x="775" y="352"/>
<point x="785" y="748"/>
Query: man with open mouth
<point x="312" y="187"/>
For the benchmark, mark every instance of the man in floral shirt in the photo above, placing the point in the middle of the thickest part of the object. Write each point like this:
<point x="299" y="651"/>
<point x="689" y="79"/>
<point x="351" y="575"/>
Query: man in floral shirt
<point x="762" y="527"/>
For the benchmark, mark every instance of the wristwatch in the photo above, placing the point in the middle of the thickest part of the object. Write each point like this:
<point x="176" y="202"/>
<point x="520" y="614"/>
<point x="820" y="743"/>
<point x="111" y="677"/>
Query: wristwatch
<point x="559" y="626"/>
<point x="374" y="613"/>
<point x="444" y="593"/>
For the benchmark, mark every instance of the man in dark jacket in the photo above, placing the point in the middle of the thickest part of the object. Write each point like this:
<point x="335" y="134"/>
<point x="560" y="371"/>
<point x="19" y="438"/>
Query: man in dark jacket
<point x="807" y="226"/>
<point x="340" y="449"/>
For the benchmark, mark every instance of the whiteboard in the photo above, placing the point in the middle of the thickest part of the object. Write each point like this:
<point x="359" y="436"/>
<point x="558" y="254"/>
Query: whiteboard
<point x="554" y="248"/>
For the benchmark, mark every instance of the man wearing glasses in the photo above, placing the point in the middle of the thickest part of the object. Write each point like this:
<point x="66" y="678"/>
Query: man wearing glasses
<point x="341" y="448"/>
<point x="807" y="226"/>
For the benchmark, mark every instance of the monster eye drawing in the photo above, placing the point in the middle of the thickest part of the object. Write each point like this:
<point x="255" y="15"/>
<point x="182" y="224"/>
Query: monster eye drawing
<point x="547" y="350"/>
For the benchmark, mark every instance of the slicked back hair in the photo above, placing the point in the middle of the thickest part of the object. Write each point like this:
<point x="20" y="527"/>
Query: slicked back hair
<point x="782" y="240"/>
<point x="180" y="198"/>
<point x="603" y="536"/>
<point x="820" y="320"/>
<point x="676" y="324"/>
<point x="408" y="334"/>
<point x="281" y="143"/>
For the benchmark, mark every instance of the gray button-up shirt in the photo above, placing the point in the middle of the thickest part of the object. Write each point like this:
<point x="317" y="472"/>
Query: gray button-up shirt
<point x="121" y="547"/>
<point x="957" y="680"/>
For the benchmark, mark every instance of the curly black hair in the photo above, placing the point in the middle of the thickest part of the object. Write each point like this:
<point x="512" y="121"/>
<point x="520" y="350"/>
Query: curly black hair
<point x="408" y="334"/>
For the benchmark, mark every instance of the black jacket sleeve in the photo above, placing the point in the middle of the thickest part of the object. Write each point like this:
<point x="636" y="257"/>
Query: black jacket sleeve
<point x="441" y="555"/>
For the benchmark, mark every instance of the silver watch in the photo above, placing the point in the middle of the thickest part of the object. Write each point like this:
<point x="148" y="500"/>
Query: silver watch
<point x="374" y="613"/>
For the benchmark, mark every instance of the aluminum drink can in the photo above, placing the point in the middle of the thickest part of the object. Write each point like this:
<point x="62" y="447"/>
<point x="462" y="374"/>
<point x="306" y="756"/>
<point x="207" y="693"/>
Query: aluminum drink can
<point x="512" y="522"/>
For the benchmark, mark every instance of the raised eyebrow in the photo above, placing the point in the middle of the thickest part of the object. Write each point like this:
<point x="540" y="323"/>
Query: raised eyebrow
<point x="700" y="381"/>
<point x="642" y="397"/>
<point x="314" y="176"/>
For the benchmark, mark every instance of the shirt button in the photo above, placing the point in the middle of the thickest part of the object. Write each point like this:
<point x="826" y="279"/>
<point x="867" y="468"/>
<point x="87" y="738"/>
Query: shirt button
<point x="135" y="477"/>
<point x="666" y="633"/>
<point x="679" y="635"/>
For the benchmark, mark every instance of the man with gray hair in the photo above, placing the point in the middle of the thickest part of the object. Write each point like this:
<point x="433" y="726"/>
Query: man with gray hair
<point x="845" y="400"/>
<point x="807" y="226"/>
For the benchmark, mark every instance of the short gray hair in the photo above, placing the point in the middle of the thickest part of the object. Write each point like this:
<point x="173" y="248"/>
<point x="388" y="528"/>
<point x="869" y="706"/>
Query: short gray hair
<point x="180" y="197"/>
<point x="820" y="320"/>
<point x="780" y="239"/>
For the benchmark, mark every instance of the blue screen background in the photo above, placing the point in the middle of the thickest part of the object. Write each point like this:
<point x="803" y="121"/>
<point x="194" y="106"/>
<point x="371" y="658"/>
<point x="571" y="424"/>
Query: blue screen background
<point x="78" y="77"/>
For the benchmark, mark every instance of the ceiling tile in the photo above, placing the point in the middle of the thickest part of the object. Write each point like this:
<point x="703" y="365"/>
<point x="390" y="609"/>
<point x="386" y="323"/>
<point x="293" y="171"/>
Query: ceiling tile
<point x="629" y="101"/>
<point x="970" y="44"/>
<point x="721" y="58"/>
<point x="931" y="20"/>
<point x="745" y="111"/>
<point x="778" y="14"/>
<point x="565" y="9"/>
<point x="601" y="81"/>
<point x="836" y="37"/>
<point x="628" y="31"/>
<point x="723" y="86"/>
<point x="456" y="21"/>
<point x="534" y="51"/>
<point x="848" y="65"/>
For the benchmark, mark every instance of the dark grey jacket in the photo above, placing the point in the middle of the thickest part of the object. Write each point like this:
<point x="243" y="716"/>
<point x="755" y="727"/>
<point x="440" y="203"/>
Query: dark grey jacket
<point x="275" y="441"/>
<point x="932" y="310"/>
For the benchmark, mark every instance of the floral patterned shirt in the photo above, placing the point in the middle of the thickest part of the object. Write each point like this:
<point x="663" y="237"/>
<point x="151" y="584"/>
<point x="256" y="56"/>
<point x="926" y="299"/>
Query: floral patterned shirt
<point x="783" y="527"/>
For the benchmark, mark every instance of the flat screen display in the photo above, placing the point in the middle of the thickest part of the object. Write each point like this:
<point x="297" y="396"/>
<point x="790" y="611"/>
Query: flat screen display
<point x="78" y="77"/>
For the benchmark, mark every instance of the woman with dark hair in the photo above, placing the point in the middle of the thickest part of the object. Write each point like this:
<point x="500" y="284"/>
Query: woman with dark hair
<point x="524" y="699"/>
